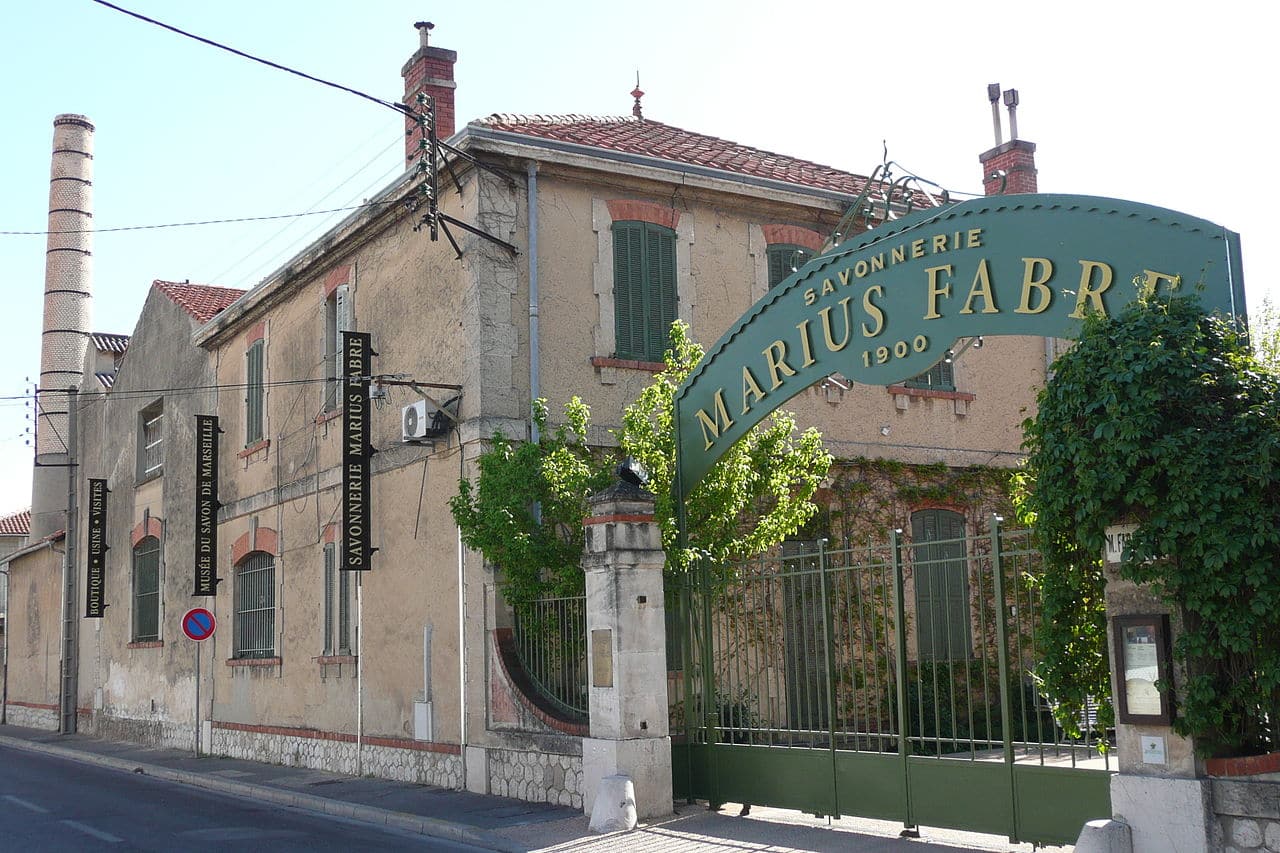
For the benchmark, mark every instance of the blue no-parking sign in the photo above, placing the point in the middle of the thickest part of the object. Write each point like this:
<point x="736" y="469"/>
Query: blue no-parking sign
<point x="198" y="624"/>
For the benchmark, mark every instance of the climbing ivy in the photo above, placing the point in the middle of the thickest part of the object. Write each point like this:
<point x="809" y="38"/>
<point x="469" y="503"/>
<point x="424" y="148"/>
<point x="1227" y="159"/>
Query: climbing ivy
<point x="525" y="510"/>
<point x="1163" y="417"/>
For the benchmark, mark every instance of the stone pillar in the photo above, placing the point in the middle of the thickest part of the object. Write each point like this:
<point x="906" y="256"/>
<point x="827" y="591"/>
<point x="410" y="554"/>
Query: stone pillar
<point x="627" y="651"/>
<point x="1161" y="791"/>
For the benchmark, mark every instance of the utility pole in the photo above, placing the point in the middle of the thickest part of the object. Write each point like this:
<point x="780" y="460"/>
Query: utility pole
<point x="70" y="612"/>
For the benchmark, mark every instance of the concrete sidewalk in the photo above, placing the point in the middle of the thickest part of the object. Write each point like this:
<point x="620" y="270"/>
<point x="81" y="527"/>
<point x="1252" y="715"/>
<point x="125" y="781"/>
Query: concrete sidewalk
<point x="497" y="823"/>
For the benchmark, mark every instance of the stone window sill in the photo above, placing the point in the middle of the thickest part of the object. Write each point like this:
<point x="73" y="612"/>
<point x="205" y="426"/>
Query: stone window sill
<point x="930" y="392"/>
<point x="325" y="417"/>
<point x="254" y="448"/>
<point x="902" y="395"/>
<point x="628" y="364"/>
<point x="146" y="644"/>
<point x="326" y="660"/>
<point x="254" y="662"/>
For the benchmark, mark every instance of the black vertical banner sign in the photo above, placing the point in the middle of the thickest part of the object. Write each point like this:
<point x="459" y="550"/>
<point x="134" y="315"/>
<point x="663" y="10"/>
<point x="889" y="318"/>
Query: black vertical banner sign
<point x="357" y="448"/>
<point x="95" y="599"/>
<point x="206" y="505"/>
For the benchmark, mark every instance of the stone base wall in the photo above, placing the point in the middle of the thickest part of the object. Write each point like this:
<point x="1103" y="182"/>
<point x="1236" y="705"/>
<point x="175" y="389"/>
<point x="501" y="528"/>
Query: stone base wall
<point x="1247" y="814"/>
<point x="31" y="717"/>
<point x="536" y="777"/>
<point x="405" y="761"/>
<point x="161" y="733"/>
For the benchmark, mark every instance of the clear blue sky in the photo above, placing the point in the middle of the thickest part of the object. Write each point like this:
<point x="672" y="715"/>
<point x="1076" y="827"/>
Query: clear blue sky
<point x="1166" y="103"/>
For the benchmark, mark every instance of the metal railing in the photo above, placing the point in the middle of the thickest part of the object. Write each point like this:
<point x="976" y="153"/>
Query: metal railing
<point x="835" y="648"/>
<point x="551" y="644"/>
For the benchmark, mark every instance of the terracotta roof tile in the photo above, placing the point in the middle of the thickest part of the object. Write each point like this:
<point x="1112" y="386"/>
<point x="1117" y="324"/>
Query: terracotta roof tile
<point x="654" y="139"/>
<point x="201" y="301"/>
<point x="108" y="342"/>
<point x="16" y="524"/>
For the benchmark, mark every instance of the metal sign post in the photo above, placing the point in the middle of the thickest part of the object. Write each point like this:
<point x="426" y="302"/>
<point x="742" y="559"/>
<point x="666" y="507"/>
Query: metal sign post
<point x="198" y="624"/>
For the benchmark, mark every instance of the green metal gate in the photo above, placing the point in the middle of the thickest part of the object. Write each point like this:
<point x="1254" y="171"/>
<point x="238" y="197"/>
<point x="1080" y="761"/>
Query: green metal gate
<point x="840" y="681"/>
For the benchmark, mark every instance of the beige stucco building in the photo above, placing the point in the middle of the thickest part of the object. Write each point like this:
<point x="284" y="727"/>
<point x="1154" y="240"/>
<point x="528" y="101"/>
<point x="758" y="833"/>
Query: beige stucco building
<point x="612" y="227"/>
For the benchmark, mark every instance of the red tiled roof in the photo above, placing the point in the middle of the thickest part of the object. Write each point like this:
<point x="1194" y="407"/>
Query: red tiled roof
<point x="201" y="301"/>
<point x="16" y="524"/>
<point x="654" y="139"/>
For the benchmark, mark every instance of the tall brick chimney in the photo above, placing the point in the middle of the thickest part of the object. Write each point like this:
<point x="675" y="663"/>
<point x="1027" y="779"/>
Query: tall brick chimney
<point x="64" y="340"/>
<point x="429" y="71"/>
<point x="1009" y="167"/>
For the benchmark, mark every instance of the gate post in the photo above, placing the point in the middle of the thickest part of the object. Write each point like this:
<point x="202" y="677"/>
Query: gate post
<point x="627" y="642"/>
<point x="1161" y="791"/>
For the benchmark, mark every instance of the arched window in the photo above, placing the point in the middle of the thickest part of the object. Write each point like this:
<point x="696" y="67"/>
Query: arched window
<point x="255" y="606"/>
<point x="146" y="590"/>
<point x="942" y="584"/>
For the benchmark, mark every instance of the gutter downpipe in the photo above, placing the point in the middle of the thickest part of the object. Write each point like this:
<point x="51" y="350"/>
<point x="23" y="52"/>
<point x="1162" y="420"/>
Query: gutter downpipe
<point x="535" y="390"/>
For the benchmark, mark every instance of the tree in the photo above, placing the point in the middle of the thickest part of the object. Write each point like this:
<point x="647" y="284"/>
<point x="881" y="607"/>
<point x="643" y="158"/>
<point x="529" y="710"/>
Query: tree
<point x="1164" y="417"/>
<point x="525" y="511"/>
<point x="755" y="496"/>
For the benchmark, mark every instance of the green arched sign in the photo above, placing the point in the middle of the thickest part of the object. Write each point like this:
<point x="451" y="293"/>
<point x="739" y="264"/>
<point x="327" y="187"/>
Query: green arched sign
<point x="888" y="304"/>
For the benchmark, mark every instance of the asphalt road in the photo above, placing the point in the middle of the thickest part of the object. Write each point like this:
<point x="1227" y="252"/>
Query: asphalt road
<point x="52" y="804"/>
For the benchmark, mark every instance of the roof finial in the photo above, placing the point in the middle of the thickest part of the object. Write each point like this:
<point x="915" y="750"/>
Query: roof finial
<point x="637" y="94"/>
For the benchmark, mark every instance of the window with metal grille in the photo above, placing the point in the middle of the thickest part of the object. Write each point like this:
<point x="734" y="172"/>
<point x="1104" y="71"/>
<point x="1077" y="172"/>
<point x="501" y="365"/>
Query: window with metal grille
<point x="644" y="288"/>
<point x="942" y="584"/>
<point x="784" y="259"/>
<point x="146" y="590"/>
<point x="254" y="394"/>
<point x="940" y="377"/>
<point x="337" y="319"/>
<point x="255" y="607"/>
<point x="151" y="441"/>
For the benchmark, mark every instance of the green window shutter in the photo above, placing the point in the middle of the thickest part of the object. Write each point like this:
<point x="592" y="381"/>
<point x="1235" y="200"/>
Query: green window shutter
<point x="628" y="288"/>
<point x="146" y="590"/>
<point x="941" y="585"/>
<point x="784" y="259"/>
<point x="940" y="377"/>
<point x="660" y="249"/>
<point x="254" y="394"/>
<point x="330" y="569"/>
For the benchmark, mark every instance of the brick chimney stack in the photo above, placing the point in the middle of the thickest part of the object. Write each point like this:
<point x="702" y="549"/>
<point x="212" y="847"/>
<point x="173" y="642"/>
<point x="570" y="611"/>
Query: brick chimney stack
<point x="68" y="295"/>
<point x="1009" y="167"/>
<point x="429" y="71"/>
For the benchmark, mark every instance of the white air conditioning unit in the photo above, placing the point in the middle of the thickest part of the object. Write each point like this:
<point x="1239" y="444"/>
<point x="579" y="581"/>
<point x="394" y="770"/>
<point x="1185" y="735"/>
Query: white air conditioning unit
<point x="421" y="420"/>
<point x="413" y="420"/>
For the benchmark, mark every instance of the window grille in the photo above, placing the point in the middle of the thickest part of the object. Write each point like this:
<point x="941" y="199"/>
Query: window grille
<point x="255" y="607"/>
<point x="644" y="288"/>
<point x="151" y="452"/>
<point x="146" y="590"/>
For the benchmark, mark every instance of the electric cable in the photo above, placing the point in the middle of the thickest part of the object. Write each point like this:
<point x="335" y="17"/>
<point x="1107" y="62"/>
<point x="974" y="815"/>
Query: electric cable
<point x="197" y="222"/>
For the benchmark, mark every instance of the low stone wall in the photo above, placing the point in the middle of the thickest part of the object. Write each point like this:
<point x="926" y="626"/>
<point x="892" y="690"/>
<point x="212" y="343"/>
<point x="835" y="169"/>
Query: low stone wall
<point x="536" y="777"/>
<point x="386" y="758"/>
<point x="162" y="733"/>
<point x="1247" y="812"/>
<point x="32" y="716"/>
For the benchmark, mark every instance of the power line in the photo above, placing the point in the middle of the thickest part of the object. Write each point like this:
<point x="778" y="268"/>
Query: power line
<point x="388" y="104"/>
<point x="199" y="222"/>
